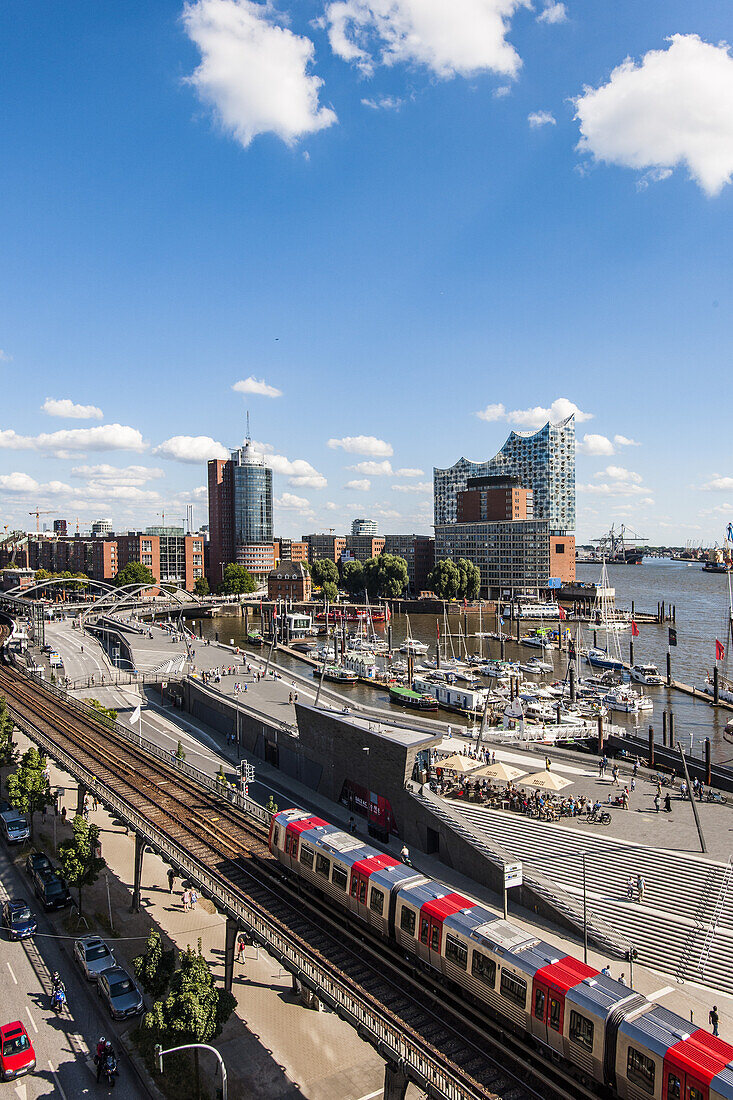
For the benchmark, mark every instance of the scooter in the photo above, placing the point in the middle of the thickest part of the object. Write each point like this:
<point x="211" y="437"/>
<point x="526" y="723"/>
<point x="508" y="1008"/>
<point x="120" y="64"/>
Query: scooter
<point x="109" y="1070"/>
<point x="58" y="999"/>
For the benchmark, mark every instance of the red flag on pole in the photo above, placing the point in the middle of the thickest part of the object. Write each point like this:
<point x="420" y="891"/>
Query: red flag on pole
<point x="437" y="627"/>
<point x="719" y="650"/>
<point x="634" y="630"/>
<point x="561" y="613"/>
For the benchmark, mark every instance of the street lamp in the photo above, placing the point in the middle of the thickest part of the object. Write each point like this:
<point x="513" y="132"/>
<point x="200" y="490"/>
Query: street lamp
<point x="159" y="1053"/>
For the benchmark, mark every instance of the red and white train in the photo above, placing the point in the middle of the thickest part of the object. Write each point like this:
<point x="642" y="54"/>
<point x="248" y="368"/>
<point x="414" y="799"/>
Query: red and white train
<point x="604" y="1029"/>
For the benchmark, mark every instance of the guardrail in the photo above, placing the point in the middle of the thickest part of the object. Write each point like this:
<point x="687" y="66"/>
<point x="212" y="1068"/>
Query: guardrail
<point x="413" y="1057"/>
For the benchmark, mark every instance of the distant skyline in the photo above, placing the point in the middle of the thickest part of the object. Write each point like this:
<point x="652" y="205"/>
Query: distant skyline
<point x="391" y="232"/>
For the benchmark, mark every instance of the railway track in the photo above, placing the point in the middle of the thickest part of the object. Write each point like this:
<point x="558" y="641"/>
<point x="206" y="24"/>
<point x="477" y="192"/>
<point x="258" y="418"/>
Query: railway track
<point x="481" y="1053"/>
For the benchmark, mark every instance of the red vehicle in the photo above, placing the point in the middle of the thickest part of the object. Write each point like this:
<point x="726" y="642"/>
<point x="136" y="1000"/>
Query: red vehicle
<point x="17" y="1055"/>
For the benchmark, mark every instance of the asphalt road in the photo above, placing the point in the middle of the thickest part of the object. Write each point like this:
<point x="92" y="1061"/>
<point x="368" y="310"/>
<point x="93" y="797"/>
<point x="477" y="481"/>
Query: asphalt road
<point x="63" y="1043"/>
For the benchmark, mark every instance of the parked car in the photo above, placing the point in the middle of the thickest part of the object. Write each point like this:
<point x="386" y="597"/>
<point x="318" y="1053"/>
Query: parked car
<point x="14" y="827"/>
<point x="17" y="1055"/>
<point x="37" y="861"/>
<point x="18" y="919"/>
<point x="119" y="993"/>
<point x="93" y="956"/>
<point x="51" y="889"/>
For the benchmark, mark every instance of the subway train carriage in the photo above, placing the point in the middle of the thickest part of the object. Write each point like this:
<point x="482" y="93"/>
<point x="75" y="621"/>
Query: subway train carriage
<point x="601" y="1029"/>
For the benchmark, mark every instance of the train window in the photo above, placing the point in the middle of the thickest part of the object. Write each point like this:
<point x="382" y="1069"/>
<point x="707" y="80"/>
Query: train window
<point x="513" y="988"/>
<point x="424" y="929"/>
<point x="339" y="877"/>
<point x="323" y="865"/>
<point x="354" y="883"/>
<point x="483" y="968"/>
<point x="306" y="856"/>
<point x="640" y="1070"/>
<point x="539" y="1004"/>
<point x="288" y="839"/>
<point x="407" y="921"/>
<point x="674" y="1087"/>
<point x="435" y="931"/>
<point x="362" y="892"/>
<point x="276" y="836"/>
<point x="376" y="901"/>
<point x="555" y="1013"/>
<point x="581" y="1030"/>
<point x="456" y="952"/>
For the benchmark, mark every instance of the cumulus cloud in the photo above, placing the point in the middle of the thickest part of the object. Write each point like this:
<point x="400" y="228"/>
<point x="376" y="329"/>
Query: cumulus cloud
<point x="256" y="386"/>
<point x="674" y="108"/>
<point x="362" y="485"/>
<point x="191" y="448"/>
<point x="66" y="408"/>
<point x="537" y="417"/>
<point x="372" y="468"/>
<point x="362" y="445"/>
<point x="254" y="72"/>
<point x="409" y="471"/>
<point x="718" y="484"/>
<point x="421" y="487"/>
<point x="18" y="483"/>
<point x="295" y="503"/>
<point x="501" y="92"/>
<point x="620" y="473"/>
<point x="541" y="118"/>
<point x="595" y="445"/>
<point x="460" y="37"/>
<point x="298" y="471"/>
<point x="105" y="437"/>
<point x="613" y="488"/>
<point x="117" y="475"/>
<point x="553" y="13"/>
<point x="624" y="441"/>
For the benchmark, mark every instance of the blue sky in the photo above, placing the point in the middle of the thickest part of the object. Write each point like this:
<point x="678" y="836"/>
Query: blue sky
<point x="398" y="214"/>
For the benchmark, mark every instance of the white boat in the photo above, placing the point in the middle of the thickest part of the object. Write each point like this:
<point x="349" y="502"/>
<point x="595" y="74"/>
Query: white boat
<point x="536" y="667"/>
<point x="537" y="641"/>
<point x="413" y="648"/>
<point x="548" y="610"/>
<point x="646" y="674"/>
<point x="627" y="700"/>
<point x="725" y="690"/>
<point x="599" y="658"/>
<point x="451" y="697"/>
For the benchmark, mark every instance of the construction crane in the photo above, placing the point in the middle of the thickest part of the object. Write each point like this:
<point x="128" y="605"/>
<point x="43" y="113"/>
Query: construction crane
<point x="37" y="514"/>
<point x="617" y="546"/>
<point x="78" y="521"/>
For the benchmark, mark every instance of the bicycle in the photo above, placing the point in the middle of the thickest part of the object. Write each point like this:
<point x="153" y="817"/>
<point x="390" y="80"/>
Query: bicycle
<point x="715" y="796"/>
<point x="599" y="817"/>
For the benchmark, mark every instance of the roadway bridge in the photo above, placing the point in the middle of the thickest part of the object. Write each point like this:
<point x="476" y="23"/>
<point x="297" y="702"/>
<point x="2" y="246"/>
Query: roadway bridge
<point x="218" y="839"/>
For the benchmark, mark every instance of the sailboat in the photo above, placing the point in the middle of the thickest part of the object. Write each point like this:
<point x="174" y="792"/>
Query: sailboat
<point x="411" y="646"/>
<point x="610" y="657"/>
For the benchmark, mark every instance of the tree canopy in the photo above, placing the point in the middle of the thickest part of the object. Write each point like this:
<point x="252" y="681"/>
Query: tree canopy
<point x="28" y="787"/>
<point x="329" y="591"/>
<point x="237" y="580"/>
<point x="135" y="573"/>
<point x="7" y="749"/>
<point x="80" y="864"/>
<point x="352" y="577"/>
<point x="106" y="715"/>
<point x="201" y="586"/>
<point x="445" y="580"/>
<point x="155" y="967"/>
<point x="323" y="570"/>
<point x="470" y="583"/>
<point x="385" y="576"/>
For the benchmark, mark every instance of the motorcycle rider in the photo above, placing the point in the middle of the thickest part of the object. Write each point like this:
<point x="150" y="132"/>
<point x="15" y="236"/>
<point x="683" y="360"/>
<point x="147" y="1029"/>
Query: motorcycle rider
<point x="100" y="1054"/>
<point x="109" y="1063"/>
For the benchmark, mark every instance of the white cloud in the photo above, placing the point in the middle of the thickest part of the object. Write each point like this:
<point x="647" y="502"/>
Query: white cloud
<point x="254" y="72"/>
<point x="66" y="408"/>
<point x="718" y="484"/>
<point x="383" y="103"/>
<point x="362" y="445"/>
<point x="117" y="475"/>
<point x="613" y="488"/>
<point x="595" y="445"/>
<point x="719" y="509"/>
<point x="256" y="386"/>
<point x="537" y="417"/>
<point x="623" y="441"/>
<point x="448" y="37"/>
<point x="372" y="468"/>
<point x="620" y="473"/>
<point x="409" y="471"/>
<point x="362" y="485"/>
<point x="294" y="503"/>
<point x="191" y="448"/>
<point x="673" y="108"/>
<point x="297" y="470"/>
<point x="541" y="118"/>
<point x="421" y="487"/>
<point x="553" y="13"/>
<point x="105" y="437"/>
<point x="330" y="506"/>
<point x="18" y="483"/>
<point x="501" y="92"/>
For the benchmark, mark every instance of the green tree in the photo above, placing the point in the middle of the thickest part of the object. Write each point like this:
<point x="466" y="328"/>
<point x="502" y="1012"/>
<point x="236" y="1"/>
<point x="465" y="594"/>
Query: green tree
<point x="80" y="864"/>
<point x="237" y="580"/>
<point x="445" y="580"/>
<point x="28" y="787"/>
<point x="470" y="584"/>
<point x="194" y="1011"/>
<point x="180" y="754"/>
<point x="7" y="748"/>
<point x="385" y="576"/>
<point x="352" y="577"/>
<point x="324" y="570"/>
<point x="201" y="586"/>
<point x="135" y="573"/>
<point x="329" y="591"/>
<point x="106" y="715"/>
<point x="155" y="967"/>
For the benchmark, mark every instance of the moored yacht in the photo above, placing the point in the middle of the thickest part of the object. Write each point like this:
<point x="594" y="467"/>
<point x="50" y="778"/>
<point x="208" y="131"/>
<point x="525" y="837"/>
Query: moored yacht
<point x="646" y="674"/>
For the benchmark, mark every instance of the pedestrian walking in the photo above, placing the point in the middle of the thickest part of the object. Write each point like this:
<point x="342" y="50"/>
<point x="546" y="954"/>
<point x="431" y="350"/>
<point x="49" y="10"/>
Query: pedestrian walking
<point x="290" y="698"/>
<point x="171" y="879"/>
<point x="240" y="949"/>
<point x="548" y="763"/>
<point x="625" y="798"/>
<point x="600" y="769"/>
<point x="633" y="784"/>
<point x="606" y="970"/>
<point x="667" y="803"/>
<point x="193" y="898"/>
<point x="614" y="776"/>
<point x="714" y="1019"/>
<point x="186" y="900"/>
<point x="656" y="802"/>
<point x="635" y="772"/>
<point x="640" y="886"/>
<point x="622" y="979"/>
<point x="630" y="888"/>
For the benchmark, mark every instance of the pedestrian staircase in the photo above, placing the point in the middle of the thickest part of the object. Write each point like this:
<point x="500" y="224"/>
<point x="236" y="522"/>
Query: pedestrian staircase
<point x="681" y="887"/>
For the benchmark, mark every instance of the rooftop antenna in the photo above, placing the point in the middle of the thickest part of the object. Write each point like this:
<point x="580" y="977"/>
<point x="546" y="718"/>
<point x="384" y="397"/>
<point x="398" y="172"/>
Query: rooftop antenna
<point x="248" y="436"/>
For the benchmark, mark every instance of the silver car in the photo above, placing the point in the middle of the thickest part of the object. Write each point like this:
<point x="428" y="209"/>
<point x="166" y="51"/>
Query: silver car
<point x="93" y="956"/>
<point x="120" y="994"/>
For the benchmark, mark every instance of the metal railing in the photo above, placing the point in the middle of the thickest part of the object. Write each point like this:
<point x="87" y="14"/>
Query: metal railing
<point x="393" y="1044"/>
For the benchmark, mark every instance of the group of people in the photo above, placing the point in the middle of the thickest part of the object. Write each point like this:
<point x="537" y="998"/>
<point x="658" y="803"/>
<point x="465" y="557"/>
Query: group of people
<point x="105" y="1058"/>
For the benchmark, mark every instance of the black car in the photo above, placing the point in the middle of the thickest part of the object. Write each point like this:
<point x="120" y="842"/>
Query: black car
<point x="37" y="861"/>
<point x="18" y="919"/>
<point x="52" y="890"/>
